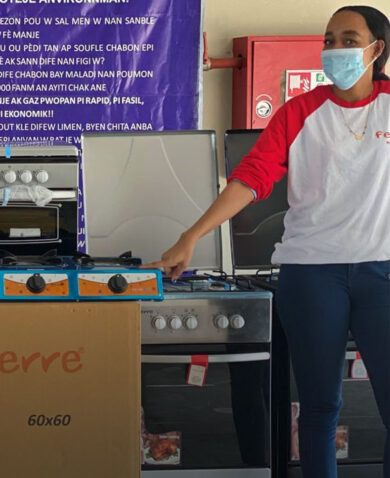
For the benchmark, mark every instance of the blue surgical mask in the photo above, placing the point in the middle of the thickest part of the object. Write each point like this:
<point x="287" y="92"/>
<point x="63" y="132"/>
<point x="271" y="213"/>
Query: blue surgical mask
<point x="345" y="66"/>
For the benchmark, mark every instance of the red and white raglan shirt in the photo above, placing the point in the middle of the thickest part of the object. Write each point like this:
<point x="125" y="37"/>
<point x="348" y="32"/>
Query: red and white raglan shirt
<point x="338" y="187"/>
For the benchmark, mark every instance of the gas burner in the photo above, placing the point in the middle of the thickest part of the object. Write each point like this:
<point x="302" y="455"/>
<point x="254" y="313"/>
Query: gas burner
<point x="125" y="259"/>
<point x="50" y="258"/>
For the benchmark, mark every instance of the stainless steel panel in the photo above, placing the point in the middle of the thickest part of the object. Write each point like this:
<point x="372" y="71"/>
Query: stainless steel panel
<point x="256" y="313"/>
<point x="235" y="473"/>
<point x="61" y="175"/>
<point x="41" y="151"/>
<point x="143" y="190"/>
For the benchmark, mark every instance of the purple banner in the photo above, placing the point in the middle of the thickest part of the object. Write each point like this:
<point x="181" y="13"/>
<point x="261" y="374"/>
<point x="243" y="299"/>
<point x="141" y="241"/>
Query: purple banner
<point x="68" y="66"/>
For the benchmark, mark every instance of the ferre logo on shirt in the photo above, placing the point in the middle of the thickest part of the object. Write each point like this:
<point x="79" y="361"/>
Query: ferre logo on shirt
<point x="383" y="135"/>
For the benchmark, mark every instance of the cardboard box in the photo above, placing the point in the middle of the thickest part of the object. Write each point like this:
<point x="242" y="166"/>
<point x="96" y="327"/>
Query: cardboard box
<point x="70" y="390"/>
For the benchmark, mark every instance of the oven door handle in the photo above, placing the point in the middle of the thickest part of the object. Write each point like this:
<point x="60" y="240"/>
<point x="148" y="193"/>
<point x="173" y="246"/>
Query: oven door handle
<point x="63" y="194"/>
<point x="223" y="358"/>
<point x="56" y="196"/>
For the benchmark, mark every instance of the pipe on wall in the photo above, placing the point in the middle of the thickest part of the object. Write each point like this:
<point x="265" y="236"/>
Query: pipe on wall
<point x="218" y="63"/>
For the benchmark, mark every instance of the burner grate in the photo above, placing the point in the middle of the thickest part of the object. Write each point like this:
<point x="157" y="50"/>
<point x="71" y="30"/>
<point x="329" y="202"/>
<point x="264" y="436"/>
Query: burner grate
<point x="125" y="259"/>
<point x="220" y="281"/>
<point x="50" y="258"/>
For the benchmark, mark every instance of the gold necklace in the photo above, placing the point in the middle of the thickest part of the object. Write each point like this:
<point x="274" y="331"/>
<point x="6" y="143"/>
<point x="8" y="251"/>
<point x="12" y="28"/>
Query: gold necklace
<point x="358" y="136"/>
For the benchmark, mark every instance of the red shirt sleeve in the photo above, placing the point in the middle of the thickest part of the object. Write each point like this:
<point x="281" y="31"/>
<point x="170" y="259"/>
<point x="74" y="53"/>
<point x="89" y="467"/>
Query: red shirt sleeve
<point x="266" y="162"/>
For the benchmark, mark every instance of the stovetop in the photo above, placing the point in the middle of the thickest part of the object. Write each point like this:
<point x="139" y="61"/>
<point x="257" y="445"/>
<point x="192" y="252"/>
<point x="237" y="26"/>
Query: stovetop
<point x="208" y="283"/>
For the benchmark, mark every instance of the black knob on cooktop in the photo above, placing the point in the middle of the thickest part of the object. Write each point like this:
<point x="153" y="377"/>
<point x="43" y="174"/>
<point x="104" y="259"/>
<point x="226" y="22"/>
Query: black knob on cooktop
<point x="117" y="284"/>
<point x="36" y="284"/>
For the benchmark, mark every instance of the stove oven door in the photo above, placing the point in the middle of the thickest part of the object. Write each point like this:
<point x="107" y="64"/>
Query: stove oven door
<point x="219" y="430"/>
<point x="27" y="229"/>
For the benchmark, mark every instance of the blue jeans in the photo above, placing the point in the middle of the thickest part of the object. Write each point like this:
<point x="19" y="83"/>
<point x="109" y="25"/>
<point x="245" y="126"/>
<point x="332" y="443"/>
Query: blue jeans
<point x="317" y="305"/>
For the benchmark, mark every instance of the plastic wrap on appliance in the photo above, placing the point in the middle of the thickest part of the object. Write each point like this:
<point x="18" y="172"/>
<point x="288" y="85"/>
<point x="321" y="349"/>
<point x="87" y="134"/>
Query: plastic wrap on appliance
<point x="37" y="194"/>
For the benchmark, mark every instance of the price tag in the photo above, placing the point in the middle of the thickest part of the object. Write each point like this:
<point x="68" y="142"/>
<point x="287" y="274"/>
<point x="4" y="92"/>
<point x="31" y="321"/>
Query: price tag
<point x="197" y="370"/>
<point x="358" y="369"/>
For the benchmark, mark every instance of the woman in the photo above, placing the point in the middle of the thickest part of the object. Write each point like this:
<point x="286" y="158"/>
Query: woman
<point x="335" y="252"/>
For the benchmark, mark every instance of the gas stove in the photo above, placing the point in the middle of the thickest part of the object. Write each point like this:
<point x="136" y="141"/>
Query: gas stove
<point x="45" y="277"/>
<point x="81" y="277"/>
<point x="107" y="278"/>
<point x="206" y="366"/>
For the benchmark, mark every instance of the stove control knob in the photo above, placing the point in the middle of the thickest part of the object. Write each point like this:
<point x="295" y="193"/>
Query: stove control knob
<point x="174" y="322"/>
<point x="42" y="176"/>
<point x="237" y="321"/>
<point x="221" y="322"/>
<point x="117" y="284"/>
<point x="191" y="322"/>
<point x="159" y="322"/>
<point x="36" y="284"/>
<point x="9" y="177"/>
<point x="26" y="176"/>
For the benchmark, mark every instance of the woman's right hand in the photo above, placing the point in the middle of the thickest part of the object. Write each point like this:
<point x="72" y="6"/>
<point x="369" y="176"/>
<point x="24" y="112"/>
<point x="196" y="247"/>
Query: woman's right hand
<point x="176" y="259"/>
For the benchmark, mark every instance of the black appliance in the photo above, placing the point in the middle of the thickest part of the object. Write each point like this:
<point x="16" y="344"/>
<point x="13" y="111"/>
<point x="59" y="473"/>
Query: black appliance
<point x="223" y="428"/>
<point x="256" y="229"/>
